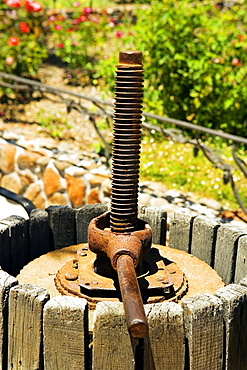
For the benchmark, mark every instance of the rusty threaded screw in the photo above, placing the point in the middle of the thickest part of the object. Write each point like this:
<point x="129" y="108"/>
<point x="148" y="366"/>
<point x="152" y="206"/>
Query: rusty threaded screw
<point x="126" y="143"/>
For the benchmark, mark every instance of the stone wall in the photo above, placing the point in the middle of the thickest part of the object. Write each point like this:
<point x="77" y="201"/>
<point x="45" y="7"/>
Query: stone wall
<point x="50" y="173"/>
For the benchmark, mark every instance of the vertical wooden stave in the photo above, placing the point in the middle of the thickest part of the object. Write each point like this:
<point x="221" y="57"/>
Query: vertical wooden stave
<point x="234" y="299"/>
<point x="203" y="318"/>
<point x="39" y="233"/>
<point x="204" y="232"/>
<point x="14" y="244"/>
<point x="180" y="231"/>
<point x="156" y="217"/>
<point x="164" y="348"/>
<point x="26" y="304"/>
<point x="66" y="319"/>
<point x="6" y="283"/>
<point x="62" y="226"/>
<point x="112" y="347"/>
<point x="241" y="260"/>
<point x="83" y="217"/>
<point x="226" y="251"/>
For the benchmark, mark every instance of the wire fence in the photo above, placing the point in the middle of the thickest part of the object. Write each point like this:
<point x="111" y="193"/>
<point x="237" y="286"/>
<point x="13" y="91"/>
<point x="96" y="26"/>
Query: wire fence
<point x="105" y="109"/>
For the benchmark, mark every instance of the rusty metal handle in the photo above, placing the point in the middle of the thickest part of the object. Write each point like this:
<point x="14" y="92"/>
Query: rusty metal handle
<point x="133" y="306"/>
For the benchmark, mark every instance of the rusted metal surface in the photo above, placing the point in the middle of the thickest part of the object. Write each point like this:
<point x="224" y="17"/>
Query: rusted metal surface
<point x="128" y="238"/>
<point x="107" y="243"/>
<point x="126" y="142"/>
<point x="131" y="296"/>
<point x="161" y="280"/>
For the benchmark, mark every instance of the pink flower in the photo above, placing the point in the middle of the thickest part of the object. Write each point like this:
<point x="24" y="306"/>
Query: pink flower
<point x="13" y="41"/>
<point x="52" y="18"/>
<point x="95" y="19"/>
<point x="24" y="27"/>
<point x="37" y="7"/>
<point x="87" y="10"/>
<point x="75" y="21"/>
<point x="119" y="34"/>
<point x="32" y="6"/>
<point x="58" y="27"/>
<point x="13" y="3"/>
<point x="75" y="43"/>
<point x="9" y="61"/>
<point x="76" y="4"/>
<point x="235" y="62"/>
<point x="60" y="46"/>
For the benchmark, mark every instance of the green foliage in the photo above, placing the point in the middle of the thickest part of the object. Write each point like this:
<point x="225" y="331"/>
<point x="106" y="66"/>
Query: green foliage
<point x="54" y="124"/>
<point x="176" y="166"/>
<point x="77" y="38"/>
<point x="195" y="62"/>
<point x="22" y="38"/>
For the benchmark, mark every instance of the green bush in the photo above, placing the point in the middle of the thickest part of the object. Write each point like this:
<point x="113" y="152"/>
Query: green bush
<point x="78" y="37"/>
<point x="22" y="37"/>
<point x="195" y="62"/>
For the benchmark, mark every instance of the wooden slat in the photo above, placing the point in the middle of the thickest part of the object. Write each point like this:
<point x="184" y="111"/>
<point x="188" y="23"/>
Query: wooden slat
<point x="226" y="251"/>
<point x="204" y="238"/>
<point x="62" y="225"/>
<point x="112" y="348"/>
<point x="241" y="262"/>
<point x="234" y="298"/>
<point x="6" y="282"/>
<point x="13" y="244"/>
<point x="83" y="217"/>
<point x="5" y="247"/>
<point x="203" y="318"/>
<point x="180" y="231"/>
<point x="26" y="303"/>
<point x="65" y="325"/>
<point x="164" y="348"/>
<point x="243" y="281"/>
<point x="156" y="217"/>
<point x="39" y="233"/>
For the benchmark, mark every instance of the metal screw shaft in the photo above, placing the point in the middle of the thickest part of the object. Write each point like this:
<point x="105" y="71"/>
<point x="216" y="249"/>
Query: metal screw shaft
<point x="126" y="143"/>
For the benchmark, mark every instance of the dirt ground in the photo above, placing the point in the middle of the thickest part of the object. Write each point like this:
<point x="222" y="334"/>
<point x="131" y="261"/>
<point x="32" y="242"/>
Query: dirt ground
<point x="27" y="119"/>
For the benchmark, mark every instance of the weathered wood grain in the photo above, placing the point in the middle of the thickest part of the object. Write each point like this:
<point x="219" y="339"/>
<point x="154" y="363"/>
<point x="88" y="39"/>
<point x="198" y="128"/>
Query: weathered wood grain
<point x="112" y="349"/>
<point x="39" y="233"/>
<point x="243" y="281"/>
<point x="164" y="348"/>
<point x="65" y="325"/>
<point x="204" y="238"/>
<point x="13" y="244"/>
<point x="156" y="217"/>
<point x="83" y="217"/>
<point x="241" y="262"/>
<point x="62" y="226"/>
<point x="226" y="251"/>
<point x="180" y="231"/>
<point x="6" y="282"/>
<point x="203" y="318"/>
<point x="26" y="304"/>
<point x="234" y="298"/>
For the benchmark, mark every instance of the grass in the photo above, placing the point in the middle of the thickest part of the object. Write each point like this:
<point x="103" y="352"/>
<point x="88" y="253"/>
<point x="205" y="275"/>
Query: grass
<point x="175" y="166"/>
<point x="54" y="124"/>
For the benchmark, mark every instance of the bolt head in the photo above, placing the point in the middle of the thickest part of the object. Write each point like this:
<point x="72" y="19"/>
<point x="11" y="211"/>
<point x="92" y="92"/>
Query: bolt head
<point x="130" y="57"/>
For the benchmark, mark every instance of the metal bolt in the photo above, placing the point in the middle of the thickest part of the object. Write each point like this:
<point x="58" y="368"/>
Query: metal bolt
<point x="126" y="143"/>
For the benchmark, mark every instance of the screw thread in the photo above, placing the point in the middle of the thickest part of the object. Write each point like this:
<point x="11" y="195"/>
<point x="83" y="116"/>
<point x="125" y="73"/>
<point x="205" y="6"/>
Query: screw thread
<point x="126" y="142"/>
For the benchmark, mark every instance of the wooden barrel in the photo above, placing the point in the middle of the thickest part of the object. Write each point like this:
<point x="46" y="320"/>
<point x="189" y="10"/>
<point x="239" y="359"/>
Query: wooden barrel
<point x="206" y="331"/>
